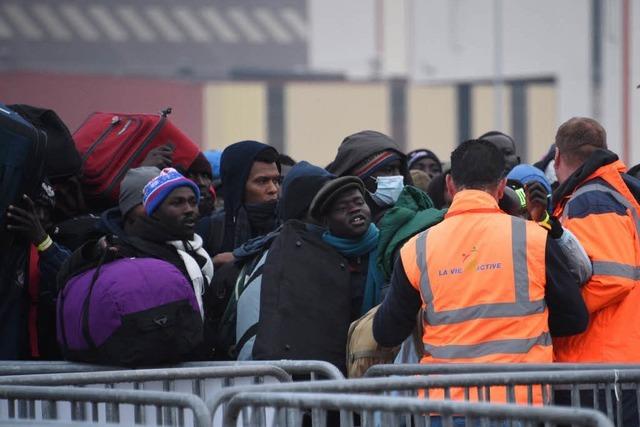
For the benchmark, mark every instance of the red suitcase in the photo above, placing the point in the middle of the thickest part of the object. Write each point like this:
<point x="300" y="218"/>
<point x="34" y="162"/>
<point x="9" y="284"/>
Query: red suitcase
<point x="112" y="143"/>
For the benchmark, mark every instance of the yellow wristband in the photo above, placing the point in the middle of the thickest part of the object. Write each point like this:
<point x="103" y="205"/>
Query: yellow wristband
<point x="546" y="222"/>
<point x="45" y="244"/>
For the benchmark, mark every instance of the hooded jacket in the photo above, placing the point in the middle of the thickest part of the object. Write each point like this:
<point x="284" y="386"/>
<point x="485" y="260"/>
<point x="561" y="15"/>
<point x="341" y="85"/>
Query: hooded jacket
<point x="599" y="204"/>
<point x="239" y="326"/>
<point x="358" y="147"/>
<point x="221" y="232"/>
<point x="413" y="212"/>
<point x="299" y="187"/>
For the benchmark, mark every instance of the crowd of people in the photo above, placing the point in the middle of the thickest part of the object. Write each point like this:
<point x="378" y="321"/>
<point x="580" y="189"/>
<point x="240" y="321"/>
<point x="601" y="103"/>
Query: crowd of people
<point x="489" y="259"/>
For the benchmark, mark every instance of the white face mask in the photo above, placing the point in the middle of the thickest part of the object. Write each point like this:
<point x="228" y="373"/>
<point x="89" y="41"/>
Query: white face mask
<point x="389" y="189"/>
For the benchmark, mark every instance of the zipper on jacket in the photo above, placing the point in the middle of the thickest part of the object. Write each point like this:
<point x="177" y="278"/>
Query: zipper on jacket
<point x="134" y="156"/>
<point x="114" y="122"/>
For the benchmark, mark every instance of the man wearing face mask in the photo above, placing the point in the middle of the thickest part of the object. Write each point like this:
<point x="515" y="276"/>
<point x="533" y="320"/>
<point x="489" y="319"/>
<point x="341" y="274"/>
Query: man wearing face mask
<point x="377" y="160"/>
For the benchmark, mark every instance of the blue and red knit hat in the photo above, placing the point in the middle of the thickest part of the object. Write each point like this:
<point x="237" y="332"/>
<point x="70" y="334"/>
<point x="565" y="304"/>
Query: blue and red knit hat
<point x="375" y="162"/>
<point x="161" y="186"/>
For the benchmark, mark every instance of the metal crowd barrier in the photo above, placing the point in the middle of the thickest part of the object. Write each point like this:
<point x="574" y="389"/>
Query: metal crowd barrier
<point x="200" y="382"/>
<point x="44" y="423"/>
<point x="191" y="377"/>
<point x="314" y="368"/>
<point x="290" y="408"/>
<point x="94" y="404"/>
<point x="27" y="367"/>
<point x="468" y="368"/>
<point x="603" y="390"/>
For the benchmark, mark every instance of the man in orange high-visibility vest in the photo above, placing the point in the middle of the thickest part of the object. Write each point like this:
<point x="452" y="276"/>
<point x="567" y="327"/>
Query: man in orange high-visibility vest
<point x="597" y="201"/>
<point x="493" y="288"/>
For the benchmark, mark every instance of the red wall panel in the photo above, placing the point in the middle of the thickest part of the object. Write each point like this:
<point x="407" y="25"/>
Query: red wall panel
<point x="74" y="97"/>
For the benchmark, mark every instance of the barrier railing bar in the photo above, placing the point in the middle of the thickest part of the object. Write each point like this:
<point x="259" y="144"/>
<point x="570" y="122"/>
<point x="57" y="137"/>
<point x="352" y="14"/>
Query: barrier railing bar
<point x="88" y="395"/>
<point x="314" y="367"/>
<point x="467" y="368"/>
<point x="423" y="382"/>
<point x="112" y="377"/>
<point x="294" y="367"/>
<point x="346" y="402"/>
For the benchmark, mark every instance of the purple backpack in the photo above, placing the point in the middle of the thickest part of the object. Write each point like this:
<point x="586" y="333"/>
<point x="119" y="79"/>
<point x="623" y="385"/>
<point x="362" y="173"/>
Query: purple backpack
<point x="130" y="312"/>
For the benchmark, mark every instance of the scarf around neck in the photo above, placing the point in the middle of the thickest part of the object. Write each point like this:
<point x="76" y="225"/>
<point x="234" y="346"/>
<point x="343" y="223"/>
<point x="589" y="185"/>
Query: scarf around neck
<point x="194" y="259"/>
<point x="200" y="276"/>
<point x="249" y="221"/>
<point x="262" y="216"/>
<point x="366" y="244"/>
<point x="151" y="229"/>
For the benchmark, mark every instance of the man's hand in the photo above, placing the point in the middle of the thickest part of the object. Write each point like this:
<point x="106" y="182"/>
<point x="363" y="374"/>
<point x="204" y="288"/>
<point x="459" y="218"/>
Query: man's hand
<point x="223" y="258"/>
<point x="26" y="221"/>
<point x="536" y="200"/>
<point x="160" y="157"/>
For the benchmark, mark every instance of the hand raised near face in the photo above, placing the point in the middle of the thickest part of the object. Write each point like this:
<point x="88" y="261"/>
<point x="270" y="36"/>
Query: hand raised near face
<point x="160" y="157"/>
<point x="25" y="221"/>
<point x="537" y="198"/>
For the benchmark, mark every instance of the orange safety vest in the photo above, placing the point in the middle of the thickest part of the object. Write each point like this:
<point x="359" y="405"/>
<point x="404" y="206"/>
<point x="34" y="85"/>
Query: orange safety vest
<point x="612" y="296"/>
<point x="481" y="276"/>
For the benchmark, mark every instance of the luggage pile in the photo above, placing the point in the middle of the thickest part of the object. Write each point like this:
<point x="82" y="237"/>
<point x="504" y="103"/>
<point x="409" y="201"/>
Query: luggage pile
<point x="100" y="318"/>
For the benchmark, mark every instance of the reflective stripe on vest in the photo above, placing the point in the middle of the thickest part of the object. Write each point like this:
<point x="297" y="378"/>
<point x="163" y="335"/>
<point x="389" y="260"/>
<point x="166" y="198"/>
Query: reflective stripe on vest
<point x="610" y="268"/>
<point x="521" y="307"/>
<point x="512" y="346"/>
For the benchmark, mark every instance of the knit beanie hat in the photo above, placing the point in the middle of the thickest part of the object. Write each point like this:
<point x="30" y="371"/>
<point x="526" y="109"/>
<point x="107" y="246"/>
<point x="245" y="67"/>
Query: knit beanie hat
<point x="422" y="153"/>
<point x="377" y="161"/>
<point x="159" y="188"/>
<point x="132" y="185"/>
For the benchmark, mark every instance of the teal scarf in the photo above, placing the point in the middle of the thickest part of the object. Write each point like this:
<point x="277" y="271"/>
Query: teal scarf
<point x="367" y="244"/>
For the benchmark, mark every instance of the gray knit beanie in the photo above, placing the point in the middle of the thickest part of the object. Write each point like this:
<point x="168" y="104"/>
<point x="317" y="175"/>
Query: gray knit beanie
<point x="132" y="185"/>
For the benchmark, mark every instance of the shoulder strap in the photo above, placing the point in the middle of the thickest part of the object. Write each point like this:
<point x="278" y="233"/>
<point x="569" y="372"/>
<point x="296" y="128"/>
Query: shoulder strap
<point x="248" y="334"/>
<point x="87" y="300"/>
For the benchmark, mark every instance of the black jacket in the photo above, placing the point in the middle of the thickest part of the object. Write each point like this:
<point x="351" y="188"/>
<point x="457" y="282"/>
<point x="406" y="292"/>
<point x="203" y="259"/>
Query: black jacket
<point x="305" y="306"/>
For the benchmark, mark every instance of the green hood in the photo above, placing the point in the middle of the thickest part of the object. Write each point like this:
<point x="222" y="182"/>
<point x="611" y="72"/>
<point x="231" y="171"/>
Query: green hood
<point x="412" y="213"/>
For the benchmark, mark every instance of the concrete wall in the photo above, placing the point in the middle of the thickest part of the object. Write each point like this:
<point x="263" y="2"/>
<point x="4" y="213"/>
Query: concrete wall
<point x="452" y="42"/>
<point x="541" y="129"/>
<point x="74" y="97"/>
<point x="234" y="112"/>
<point x="431" y="119"/>
<point x="320" y="115"/>
<point x="483" y="110"/>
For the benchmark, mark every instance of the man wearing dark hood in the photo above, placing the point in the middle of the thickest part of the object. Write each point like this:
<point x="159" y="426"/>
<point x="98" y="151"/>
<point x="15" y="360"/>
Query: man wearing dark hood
<point x="377" y="160"/>
<point x="250" y="175"/>
<point x="239" y="327"/>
